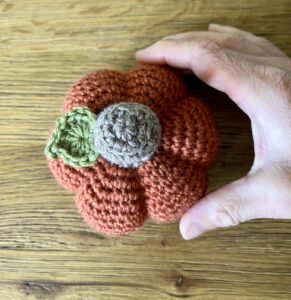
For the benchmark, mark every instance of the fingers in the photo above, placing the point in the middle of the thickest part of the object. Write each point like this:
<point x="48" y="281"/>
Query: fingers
<point x="222" y="69"/>
<point x="224" y="39"/>
<point x="232" y="30"/>
<point x="252" y="86"/>
<point x="239" y="41"/>
<point x="283" y="63"/>
<point x="267" y="47"/>
<point x="205" y="58"/>
<point x="254" y="196"/>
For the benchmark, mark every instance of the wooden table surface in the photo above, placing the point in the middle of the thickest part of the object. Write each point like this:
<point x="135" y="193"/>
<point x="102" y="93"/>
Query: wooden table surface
<point x="46" y="250"/>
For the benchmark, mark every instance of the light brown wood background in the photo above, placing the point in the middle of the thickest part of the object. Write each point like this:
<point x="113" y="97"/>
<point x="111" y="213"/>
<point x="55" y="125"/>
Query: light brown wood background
<point x="46" y="250"/>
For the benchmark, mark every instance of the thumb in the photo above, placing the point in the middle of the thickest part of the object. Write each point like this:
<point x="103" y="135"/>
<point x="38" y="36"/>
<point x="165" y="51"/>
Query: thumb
<point x="254" y="196"/>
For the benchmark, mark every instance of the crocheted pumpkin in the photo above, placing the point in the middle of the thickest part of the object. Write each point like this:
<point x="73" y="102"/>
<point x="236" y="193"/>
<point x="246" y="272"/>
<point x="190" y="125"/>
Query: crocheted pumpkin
<point x="132" y="146"/>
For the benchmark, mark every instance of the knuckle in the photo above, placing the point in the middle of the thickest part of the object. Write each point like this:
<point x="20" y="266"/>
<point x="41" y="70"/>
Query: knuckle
<point x="227" y="215"/>
<point x="260" y="71"/>
<point x="230" y="211"/>
<point x="282" y="80"/>
<point x="206" y="45"/>
<point x="213" y="50"/>
<point x="233" y="39"/>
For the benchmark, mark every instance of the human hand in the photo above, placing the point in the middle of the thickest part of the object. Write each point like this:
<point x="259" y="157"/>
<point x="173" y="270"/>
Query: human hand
<point x="256" y="75"/>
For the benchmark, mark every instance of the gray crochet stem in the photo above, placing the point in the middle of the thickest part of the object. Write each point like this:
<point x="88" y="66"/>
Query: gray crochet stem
<point x="127" y="134"/>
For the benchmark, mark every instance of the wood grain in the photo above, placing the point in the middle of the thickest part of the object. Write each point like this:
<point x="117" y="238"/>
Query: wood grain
<point x="46" y="251"/>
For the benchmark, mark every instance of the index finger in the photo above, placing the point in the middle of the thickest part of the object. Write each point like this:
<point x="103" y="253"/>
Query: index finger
<point x="223" y="69"/>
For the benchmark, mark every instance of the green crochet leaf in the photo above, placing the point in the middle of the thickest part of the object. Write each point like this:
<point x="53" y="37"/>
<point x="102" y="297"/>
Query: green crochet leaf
<point x="72" y="139"/>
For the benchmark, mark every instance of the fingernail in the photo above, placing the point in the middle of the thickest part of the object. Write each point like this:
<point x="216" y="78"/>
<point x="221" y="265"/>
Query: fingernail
<point x="193" y="230"/>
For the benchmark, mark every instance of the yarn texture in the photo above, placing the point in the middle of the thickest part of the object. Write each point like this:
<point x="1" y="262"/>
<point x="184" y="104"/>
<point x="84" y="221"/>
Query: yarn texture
<point x="145" y="149"/>
<point x="127" y="134"/>
<point x="72" y="139"/>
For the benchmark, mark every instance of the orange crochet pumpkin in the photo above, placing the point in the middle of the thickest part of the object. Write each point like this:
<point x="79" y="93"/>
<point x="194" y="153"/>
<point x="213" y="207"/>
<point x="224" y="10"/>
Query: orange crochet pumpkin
<point x="171" y="175"/>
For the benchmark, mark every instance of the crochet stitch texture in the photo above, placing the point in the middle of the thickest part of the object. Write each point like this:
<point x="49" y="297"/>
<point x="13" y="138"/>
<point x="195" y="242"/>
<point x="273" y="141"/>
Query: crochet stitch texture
<point x="71" y="141"/>
<point x="116" y="198"/>
<point x="127" y="134"/>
